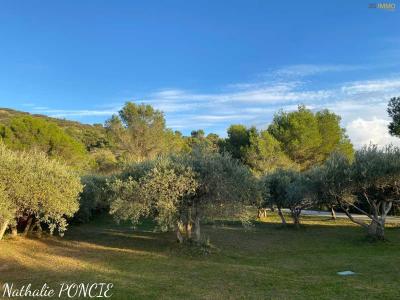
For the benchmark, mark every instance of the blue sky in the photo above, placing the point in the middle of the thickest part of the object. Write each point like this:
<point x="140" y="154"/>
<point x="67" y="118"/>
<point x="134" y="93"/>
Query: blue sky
<point x="206" y="64"/>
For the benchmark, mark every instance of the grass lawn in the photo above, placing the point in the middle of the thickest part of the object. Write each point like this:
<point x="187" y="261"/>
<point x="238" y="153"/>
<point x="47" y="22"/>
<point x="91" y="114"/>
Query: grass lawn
<point x="263" y="262"/>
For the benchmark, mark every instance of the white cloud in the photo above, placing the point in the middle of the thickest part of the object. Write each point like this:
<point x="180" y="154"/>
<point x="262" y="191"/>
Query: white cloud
<point x="375" y="131"/>
<point x="369" y="86"/>
<point x="302" y="70"/>
<point x="362" y="104"/>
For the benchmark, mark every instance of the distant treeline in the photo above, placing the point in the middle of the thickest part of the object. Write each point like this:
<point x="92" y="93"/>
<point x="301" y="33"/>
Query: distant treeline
<point x="297" y="139"/>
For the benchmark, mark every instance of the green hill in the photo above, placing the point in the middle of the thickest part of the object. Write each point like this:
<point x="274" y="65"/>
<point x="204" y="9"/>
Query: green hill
<point x="92" y="136"/>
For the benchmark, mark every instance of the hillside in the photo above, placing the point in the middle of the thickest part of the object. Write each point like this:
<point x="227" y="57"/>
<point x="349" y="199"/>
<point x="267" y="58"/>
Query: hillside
<point x="92" y="136"/>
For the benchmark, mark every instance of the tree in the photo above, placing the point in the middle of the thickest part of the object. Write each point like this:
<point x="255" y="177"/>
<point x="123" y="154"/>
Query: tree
<point x="376" y="176"/>
<point x="198" y="139"/>
<point x="369" y="185"/>
<point x="394" y="112"/>
<point x="225" y="187"/>
<point x="238" y="139"/>
<point x="161" y="193"/>
<point x="180" y="191"/>
<point x="104" y="160"/>
<point x="139" y="132"/>
<point x="26" y="132"/>
<point x="7" y="210"/>
<point x="275" y="189"/>
<point x="264" y="153"/>
<point x="299" y="134"/>
<point x="287" y="188"/>
<point x="309" y="138"/>
<point x="298" y="196"/>
<point x="334" y="138"/>
<point x="94" y="198"/>
<point x="38" y="189"/>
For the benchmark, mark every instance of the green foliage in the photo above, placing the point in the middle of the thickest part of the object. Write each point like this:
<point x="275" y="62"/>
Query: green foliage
<point x="24" y="133"/>
<point x="275" y="186"/>
<point x="394" y="112"/>
<point x="332" y="181"/>
<point x="105" y="161"/>
<point x="7" y="208"/>
<point x="38" y="186"/>
<point x="139" y="133"/>
<point x="177" y="191"/>
<point x="223" y="181"/>
<point x="160" y="193"/>
<point x="210" y="143"/>
<point x="334" y="138"/>
<point x="369" y="185"/>
<point x="264" y="153"/>
<point x="238" y="139"/>
<point x="94" y="197"/>
<point x="309" y="138"/>
<point x="375" y="175"/>
<point x="287" y="188"/>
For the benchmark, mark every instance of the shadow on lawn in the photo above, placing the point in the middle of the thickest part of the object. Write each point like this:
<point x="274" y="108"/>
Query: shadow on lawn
<point x="105" y="252"/>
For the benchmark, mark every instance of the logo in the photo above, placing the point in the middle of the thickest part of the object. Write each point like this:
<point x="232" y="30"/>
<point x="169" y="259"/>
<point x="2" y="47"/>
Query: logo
<point x="383" y="5"/>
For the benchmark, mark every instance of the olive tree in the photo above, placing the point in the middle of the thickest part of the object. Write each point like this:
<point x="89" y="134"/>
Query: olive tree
<point x="330" y="182"/>
<point x="376" y="177"/>
<point x="7" y="210"/>
<point x="286" y="188"/>
<point x="180" y="191"/>
<point x="161" y="193"/>
<point x="225" y="188"/>
<point x="274" y="189"/>
<point x="369" y="185"/>
<point x="37" y="189"/>
<point x="298" y="196"/>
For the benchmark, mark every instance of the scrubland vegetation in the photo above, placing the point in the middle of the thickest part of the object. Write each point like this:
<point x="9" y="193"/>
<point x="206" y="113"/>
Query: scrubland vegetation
<point x="132" y="188"/>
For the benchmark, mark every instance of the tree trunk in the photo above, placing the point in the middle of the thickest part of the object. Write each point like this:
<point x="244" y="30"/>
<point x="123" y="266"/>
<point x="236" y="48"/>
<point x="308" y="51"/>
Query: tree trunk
<point x="296" y="218"/>
<point x="14" y="231"/>
<point x="376" y="230"/>
<point x="282" y="217"/>
<point x="189" y="230"/>
<point x="38" y="229"/>
<point x="179" y="237"/>
<point x="3" y="228"/>
<point x="28" y="226"/>
<point x="333" y="213"/>
<point x="197" y="235"/>
<point x="262" y="213"/>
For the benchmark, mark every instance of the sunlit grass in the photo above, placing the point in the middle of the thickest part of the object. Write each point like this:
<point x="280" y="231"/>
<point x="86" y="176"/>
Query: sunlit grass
<point x="262" y="261"/>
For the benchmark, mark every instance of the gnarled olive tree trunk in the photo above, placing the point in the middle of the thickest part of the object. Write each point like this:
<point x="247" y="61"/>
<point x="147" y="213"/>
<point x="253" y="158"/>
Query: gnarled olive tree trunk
<point x="376" y="230"/>
<point x="3" y="228"/>
<point x="179" y="229"/>
<point x="333" y="213"/>
<point x="28" y="226"/>
<point x="295" y="212"/>
<point x="262" y="213"/>
<point x="14" y="231"/>
<point x="281" y="216"/>
<point x="197" y="233"/>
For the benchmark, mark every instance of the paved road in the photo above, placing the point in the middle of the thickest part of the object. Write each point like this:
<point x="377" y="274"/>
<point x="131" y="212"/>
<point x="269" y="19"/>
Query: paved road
<point x="321" y="213"/>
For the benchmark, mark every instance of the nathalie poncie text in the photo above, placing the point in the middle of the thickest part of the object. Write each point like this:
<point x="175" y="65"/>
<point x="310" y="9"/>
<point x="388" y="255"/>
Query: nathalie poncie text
<point x="68" y="290"/>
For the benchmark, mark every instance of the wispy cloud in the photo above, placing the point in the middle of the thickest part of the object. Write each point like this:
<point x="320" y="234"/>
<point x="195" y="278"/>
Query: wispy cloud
<point x="362" y="104"/>
<point x="303" y="70"/>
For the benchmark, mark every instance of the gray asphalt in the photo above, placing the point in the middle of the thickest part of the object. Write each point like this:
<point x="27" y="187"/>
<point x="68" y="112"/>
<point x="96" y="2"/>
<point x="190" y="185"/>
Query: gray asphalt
<point x="321" y="213"/>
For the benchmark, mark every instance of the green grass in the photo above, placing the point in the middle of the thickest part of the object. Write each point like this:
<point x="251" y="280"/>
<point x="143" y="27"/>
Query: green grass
<point x="262" y="262"/>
